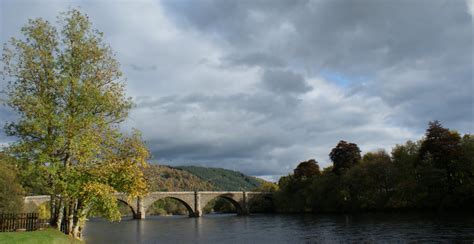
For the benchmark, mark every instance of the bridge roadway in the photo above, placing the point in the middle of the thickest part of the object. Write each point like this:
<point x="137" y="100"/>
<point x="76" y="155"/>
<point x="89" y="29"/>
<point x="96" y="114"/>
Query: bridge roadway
<point x="193" y="200"/>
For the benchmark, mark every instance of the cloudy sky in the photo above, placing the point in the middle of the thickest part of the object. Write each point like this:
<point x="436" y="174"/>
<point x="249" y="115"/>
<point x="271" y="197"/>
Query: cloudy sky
<point x="259" y="86"/>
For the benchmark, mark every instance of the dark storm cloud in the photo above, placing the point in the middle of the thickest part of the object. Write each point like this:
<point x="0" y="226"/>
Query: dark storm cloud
<point x="253" y="59"/>
<point x="425" y="46"/>
<point x="356" y="36"/>
<point x="284" y="81"/>
<point x="264" y="105"/>
<point x="215" y="151"/>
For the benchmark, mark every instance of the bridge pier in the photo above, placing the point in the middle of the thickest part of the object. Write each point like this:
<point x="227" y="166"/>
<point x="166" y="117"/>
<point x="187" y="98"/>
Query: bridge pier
<point x="245" y="204"/>
<point x="197" y="205"/>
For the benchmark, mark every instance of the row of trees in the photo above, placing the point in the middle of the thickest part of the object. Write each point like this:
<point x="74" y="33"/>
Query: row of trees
<point x="434" y="173"/>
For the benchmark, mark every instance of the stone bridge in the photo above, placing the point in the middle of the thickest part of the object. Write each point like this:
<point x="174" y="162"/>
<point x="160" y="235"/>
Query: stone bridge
<point x="193" y="200"/>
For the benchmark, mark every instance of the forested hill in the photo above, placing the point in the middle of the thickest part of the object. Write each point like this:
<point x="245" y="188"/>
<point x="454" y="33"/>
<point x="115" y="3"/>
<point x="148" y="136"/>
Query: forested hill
<point x="166" y="178"/>
<point x="190" y="178"/>
<point x="224" y="179"/>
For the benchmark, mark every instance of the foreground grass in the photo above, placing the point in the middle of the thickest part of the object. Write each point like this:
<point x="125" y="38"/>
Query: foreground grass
<point x="37" y="237"/>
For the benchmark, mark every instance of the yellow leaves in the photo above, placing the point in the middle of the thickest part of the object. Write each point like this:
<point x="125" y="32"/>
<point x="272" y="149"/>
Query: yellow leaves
<point x="96" y="189"/>
<point x="99" y="199"/>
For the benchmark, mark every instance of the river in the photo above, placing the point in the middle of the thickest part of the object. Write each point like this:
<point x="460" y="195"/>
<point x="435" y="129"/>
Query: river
<point x="276" y="228"/>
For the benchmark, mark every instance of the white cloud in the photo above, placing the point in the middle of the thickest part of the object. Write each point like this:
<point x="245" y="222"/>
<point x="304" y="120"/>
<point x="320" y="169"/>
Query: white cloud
<point x="470" y="7"/>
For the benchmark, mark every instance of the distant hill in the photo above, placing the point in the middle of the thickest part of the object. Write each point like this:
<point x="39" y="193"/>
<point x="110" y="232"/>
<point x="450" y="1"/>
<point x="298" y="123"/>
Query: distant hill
<point x="224" y="179"/>
<point x="166" y="178"/>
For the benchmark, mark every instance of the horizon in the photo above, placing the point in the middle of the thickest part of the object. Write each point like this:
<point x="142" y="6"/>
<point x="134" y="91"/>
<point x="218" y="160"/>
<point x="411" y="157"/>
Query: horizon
<point x="258" y="88"/>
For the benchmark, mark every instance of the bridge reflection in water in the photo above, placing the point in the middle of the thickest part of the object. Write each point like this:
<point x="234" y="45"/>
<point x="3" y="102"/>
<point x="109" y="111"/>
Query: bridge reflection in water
<point x="193" y="200"/>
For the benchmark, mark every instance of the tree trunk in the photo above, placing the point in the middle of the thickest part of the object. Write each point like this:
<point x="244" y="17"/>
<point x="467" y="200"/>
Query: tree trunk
<point x="73" y="212"/>
<point x="59" y="217"/>
<point x="79" y="221"/>
<point x="52" y="208"/>
<point x="70" y="217"/>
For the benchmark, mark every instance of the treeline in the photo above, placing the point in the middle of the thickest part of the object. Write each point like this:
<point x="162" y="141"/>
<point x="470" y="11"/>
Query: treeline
<point x="435" y="173"/>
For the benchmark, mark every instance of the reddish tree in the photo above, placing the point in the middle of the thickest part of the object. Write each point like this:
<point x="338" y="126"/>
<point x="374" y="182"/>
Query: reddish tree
<point x="307" y="169"/>
<point x="444" y="148"/>
<point x="441" y="144"/>
<point x="344" y="156"/>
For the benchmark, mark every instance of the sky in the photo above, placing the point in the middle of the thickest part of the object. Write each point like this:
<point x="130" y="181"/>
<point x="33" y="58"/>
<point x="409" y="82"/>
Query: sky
<point x="261" y="85"/>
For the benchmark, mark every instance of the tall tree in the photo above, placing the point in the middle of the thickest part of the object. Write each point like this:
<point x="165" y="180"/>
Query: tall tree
<point x="443" y="148"/>
<point x="67" y="90"/>
<point x="441" y="144"/>
<point x="307" y="169"/>
<point x="344" y="156"/>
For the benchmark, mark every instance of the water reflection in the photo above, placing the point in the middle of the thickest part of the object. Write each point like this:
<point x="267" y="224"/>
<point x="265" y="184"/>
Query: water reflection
<point x="218" y="228"/>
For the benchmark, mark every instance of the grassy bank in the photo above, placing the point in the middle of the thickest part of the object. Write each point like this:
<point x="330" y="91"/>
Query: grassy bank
<point x="37" y="237"/>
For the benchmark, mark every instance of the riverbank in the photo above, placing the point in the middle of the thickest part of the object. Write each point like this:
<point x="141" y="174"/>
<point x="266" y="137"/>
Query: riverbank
<point x="37" y="237"/>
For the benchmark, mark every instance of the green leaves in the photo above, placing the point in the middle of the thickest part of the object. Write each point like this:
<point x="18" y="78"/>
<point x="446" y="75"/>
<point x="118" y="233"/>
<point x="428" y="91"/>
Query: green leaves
<point x="99" y="199"/>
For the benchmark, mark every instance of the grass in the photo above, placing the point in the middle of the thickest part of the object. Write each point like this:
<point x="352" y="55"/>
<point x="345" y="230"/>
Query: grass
<point x="37" y="237"/>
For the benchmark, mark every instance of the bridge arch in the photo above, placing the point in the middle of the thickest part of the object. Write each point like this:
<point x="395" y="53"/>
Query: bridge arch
<point x="185" y="198"/>
<point x="130" y="202"/>
<point x="237" y="205"/>
<point x="236" y="199"/>
<point x="183" y="202"/>
<point x="132" y="209"/>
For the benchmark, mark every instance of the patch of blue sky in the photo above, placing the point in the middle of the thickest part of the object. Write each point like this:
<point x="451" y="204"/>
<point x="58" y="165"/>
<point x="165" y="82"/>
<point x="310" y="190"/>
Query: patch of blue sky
<point x="341" y="79"/>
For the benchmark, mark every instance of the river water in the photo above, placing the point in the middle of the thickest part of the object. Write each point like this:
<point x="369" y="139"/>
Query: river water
<point x="268" y="228"/>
